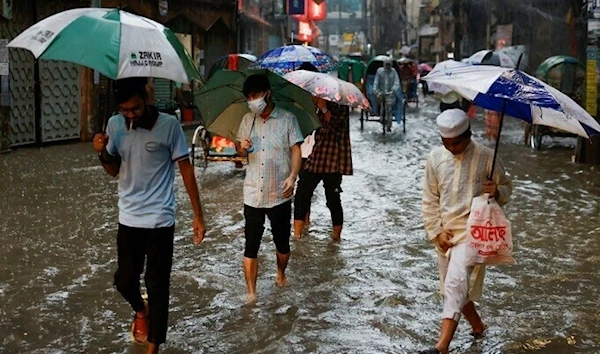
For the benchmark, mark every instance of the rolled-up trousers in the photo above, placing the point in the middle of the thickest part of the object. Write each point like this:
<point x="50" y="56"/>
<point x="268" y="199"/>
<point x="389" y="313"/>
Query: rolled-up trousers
<point x="459" y="283"/>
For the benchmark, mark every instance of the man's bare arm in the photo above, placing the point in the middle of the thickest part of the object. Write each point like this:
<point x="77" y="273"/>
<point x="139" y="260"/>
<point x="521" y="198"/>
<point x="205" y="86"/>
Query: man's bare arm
<point x="296" y="160"/>
<point x="110" y="163"/>
<point x="189" y="180"/>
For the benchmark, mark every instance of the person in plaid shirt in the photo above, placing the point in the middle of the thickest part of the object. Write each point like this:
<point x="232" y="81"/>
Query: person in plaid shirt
<point x="270" y="137"/>
<point x="331" y="158"/>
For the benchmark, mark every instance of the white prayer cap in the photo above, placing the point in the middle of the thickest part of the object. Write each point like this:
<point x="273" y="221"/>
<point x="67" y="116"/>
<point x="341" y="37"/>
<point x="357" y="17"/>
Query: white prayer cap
<point x="452" y="123"/>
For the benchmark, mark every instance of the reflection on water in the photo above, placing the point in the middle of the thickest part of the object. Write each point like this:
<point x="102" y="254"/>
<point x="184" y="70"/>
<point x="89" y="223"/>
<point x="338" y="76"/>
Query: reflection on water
<point x="376" y="292"/>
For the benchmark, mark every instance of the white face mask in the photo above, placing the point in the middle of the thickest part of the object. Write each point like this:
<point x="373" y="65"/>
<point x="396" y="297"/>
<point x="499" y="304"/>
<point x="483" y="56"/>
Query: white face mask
<point x="258" y="105"/>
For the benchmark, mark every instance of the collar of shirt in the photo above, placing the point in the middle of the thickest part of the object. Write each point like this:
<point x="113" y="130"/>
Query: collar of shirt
<point x="462" y="154"/>
<point x="274" y="114"/>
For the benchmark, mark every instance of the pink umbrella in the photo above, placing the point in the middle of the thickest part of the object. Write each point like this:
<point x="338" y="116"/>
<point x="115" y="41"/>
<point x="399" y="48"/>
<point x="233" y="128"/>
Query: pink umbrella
<point x="425" y="67"/>
<point x="329" y="88"/>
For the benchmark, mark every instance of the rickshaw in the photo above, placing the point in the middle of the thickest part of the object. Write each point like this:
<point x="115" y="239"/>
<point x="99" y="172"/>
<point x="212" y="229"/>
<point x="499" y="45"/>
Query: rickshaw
<point x="213" y="148"/>
<point x="369" y="80"/>
<point x="566" y="74"/>
<point x="353" y="71"/>
<point x="409" y="78"/>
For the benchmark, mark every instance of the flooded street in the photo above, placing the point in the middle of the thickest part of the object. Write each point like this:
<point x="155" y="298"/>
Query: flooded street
<point x="375" y="292"/>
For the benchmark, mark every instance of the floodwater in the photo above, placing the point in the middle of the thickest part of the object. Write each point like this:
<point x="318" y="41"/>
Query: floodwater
<point x="375" y="292"/>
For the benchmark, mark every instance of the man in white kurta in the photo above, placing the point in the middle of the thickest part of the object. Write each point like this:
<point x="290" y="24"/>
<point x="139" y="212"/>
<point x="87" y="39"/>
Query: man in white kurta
<point x="454" y="174"/>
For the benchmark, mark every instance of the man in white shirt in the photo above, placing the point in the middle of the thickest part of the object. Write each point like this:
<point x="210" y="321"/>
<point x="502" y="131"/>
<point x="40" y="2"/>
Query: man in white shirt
<point x="270" y="136"/>
<point x="454" y="175"/>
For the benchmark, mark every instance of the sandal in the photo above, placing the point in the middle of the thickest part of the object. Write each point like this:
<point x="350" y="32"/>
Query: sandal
<point x="430" y="351"/>
<point x="139" y="326"/>
<point x="479" y="335"/>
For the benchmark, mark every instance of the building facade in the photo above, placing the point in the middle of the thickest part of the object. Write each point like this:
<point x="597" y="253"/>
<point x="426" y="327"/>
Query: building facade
<point x="49" y="101"/>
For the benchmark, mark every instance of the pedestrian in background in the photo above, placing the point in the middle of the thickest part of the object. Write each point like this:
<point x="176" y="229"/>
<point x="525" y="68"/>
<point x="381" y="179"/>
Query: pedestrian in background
<point x="329" y="159"/>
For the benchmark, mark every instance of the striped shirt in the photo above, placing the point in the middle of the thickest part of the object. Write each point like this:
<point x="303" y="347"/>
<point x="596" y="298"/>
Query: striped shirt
<point x="331" y="152"/>
<point x="270" y="163"/>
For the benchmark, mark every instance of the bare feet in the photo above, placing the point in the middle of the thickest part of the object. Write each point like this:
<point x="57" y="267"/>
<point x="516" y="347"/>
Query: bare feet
<point x="250" y="298"/>
<point x="152" y="348"/>
<point x="479" y="332"/>
<point x="282" y="261"/>
<point x="298" y="229"/>
<point x="280" y="280"/>
<point x="337" y="233"/>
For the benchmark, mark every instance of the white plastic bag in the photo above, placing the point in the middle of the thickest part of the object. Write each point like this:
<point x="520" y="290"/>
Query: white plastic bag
<point x="489" y="237"/>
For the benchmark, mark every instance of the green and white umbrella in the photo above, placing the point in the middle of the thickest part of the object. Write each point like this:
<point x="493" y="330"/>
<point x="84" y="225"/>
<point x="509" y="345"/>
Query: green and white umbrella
<point x="114" y="42"/>
<point x="223" y="105"/>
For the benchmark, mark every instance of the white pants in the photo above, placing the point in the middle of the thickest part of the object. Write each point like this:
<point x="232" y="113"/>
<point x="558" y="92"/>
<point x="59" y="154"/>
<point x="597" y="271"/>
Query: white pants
<point x="459" y="283"/>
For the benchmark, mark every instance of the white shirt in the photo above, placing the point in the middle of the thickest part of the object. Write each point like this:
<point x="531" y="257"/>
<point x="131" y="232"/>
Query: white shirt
<point x="451" y="183"/>
<point x="270" y="163"/>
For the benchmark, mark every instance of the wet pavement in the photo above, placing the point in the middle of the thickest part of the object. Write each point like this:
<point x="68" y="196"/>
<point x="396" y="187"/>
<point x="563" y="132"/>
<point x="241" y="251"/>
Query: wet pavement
<point x="375" y="292"/>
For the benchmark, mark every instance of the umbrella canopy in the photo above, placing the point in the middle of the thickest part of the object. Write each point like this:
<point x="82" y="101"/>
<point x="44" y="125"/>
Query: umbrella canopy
<point x="377" y="62"/>
<point x="424" y="67"/>
<point x="232" y="62"/>
<point x="223" y="105"/>
<point x="519" y="95"/>
<point x="488" y="57"/>
<point x="441" y="66"/>
<point x="289" y="58"/>
<point x="380" y="58"/>
<point x="114" y="42"/>
<point x="405" y="60"/>
<point x="516" y="53"/>
<point x="328" y="88"/>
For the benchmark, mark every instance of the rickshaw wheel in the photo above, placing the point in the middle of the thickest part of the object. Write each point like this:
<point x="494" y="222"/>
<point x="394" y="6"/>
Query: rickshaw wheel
<point x="535" y="138"/>
<point x="383" y="115"/>
<point x="404" y="117"/>
<point x="205" y="150"/>
<point x="362" y="119"/>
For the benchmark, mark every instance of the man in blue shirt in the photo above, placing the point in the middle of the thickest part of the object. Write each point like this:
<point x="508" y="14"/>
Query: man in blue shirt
<point x="141" y="147"/>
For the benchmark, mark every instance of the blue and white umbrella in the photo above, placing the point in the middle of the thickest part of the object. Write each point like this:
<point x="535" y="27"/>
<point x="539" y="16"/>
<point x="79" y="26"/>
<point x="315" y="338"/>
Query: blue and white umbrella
<point x="519" y="95"/>
<point x="442" y="66"/>
<point x="288" y="58"/>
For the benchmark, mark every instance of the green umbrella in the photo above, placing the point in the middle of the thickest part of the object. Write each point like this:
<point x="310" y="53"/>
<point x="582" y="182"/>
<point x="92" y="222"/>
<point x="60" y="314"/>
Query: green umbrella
<point x="114" y="42"/>
<point x="223" y="105"/>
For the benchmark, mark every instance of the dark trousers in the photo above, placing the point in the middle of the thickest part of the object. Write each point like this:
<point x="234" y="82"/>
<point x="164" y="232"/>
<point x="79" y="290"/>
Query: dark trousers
<point x="134" y="245"/>
<point x="280" y="218"/>
<point x="308" y="181"/>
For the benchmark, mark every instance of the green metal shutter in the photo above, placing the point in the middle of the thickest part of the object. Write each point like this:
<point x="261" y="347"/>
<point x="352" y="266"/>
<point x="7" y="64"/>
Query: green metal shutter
<point x="163" y="94"/>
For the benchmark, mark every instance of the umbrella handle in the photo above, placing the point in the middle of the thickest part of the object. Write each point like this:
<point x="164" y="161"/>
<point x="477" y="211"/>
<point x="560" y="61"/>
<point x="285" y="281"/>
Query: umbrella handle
<point x="500" y="128"/>
<point x="105" y="118"/>
<point x="498" y="140"/>
<point x="519" y="60"/>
